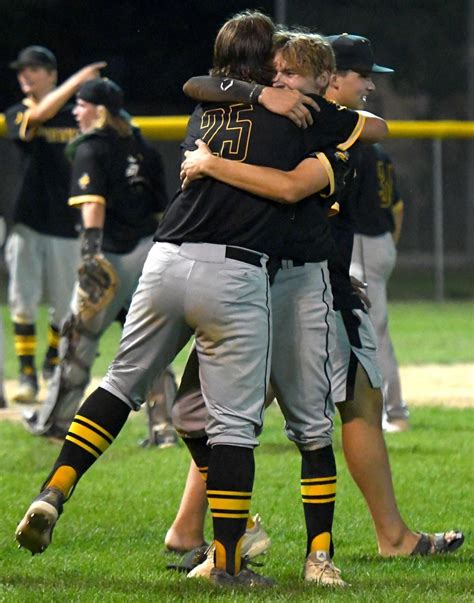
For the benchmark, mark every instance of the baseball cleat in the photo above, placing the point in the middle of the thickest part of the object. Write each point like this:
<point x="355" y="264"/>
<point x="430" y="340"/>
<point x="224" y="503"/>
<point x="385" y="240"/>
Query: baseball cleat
<point x="254" y="543"/>
<point x="163" y="436"/>
<point x="34" y="532"/>
<point x="244" y="579"/>
<point x="319" y="568"/>
<point x="27" y="390"/>
<point x="395" y="426"/>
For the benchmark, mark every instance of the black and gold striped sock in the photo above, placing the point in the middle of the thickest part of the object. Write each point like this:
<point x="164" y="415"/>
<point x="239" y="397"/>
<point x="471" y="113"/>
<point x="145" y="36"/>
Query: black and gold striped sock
<point x="318" y="492"/>
<point x="25" y="347"/>
<point x="94" y="428"/>
<point x="52" y="357"/>
<point x="229" y="492"/>
<point x="200" y="452"/>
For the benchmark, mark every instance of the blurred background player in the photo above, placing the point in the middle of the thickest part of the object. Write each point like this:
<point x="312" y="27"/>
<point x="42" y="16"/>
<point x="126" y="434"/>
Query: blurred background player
<point x="42" y="251"/>
<point x="3" y="401"/>
<point x="118" y="185"/>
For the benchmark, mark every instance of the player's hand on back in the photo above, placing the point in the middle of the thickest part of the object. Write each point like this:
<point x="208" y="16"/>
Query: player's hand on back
<point x="194" y="164"/>
<point x="290" y="103"/>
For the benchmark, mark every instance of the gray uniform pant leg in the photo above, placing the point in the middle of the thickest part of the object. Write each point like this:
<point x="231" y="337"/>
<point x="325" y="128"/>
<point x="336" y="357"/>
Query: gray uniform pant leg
<point x="78" y="351"/>
<point x="35" y="259"/>
<point x="195" y="288"/>
<point x="2" y="357"/>
<point x="373" y="260"/>
<point x="357" y="346"/>
<point x="303" y="342"/>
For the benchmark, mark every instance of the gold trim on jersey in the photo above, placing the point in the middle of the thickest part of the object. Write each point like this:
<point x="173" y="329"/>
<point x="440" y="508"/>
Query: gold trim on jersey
<point x="356" y="132"/>
<point x="329" y="171"/>
<point x="80" y="199"/>
<point x="398" y="206"/>
<point x="22" y="132"/>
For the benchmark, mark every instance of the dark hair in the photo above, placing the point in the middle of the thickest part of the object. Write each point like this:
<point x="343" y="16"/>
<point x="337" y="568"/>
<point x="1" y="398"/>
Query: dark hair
<point x="244" y="48"/>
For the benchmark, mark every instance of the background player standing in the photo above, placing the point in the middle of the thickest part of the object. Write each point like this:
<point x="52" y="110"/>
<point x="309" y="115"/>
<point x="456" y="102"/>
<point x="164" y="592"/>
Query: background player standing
<point x="43" y="246"/>
<point x="378" y="225"/>
<point x="118" y="185"/>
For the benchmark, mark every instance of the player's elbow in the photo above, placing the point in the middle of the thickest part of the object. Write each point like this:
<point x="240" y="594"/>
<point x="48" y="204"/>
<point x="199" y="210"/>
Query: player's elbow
<point x="290" y="193"/>
<point x="375" y="130"/>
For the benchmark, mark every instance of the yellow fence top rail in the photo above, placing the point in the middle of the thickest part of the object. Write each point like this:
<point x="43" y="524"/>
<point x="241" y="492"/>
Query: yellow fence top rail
<point x="172" y="127"/>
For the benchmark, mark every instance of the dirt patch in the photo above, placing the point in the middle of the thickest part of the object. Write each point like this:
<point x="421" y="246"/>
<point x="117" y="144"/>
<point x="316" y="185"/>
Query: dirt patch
<point x="435" y="384"/>
<point x="428" y="385"/>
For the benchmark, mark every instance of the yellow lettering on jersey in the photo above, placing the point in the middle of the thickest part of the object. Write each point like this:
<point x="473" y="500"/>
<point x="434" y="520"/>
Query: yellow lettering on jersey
<point x="236" y="144"/>
<point x="385" y="178"/>
<point x="58" y="135"/>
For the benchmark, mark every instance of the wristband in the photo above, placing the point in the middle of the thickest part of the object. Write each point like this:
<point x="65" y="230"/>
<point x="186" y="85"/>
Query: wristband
<point x="255" y="93"/>
<point x="91" y="242"/>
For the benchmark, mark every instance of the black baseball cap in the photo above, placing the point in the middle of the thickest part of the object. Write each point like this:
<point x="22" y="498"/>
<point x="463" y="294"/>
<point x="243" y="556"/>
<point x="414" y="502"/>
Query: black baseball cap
<point x="355" y="53"/>
<point x="34" y="56"/>
<point x="102" y="91"/>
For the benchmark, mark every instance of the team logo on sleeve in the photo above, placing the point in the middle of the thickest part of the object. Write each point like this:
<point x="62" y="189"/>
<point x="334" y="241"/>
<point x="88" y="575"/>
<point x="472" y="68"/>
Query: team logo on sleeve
<point x="132" y="168"/>
<point x="84" y="181"/>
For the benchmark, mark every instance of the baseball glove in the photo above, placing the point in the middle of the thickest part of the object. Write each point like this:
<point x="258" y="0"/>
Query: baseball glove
<point x="98" y="283"/>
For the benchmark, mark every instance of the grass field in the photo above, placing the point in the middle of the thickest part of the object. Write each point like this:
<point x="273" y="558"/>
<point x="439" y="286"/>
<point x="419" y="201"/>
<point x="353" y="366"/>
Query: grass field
<point x="422" y="332"/>
<point x="108" y="545"/>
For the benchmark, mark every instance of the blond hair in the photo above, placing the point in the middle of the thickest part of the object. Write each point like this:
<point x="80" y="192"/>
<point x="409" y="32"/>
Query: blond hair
<point x="106" y="119"/>
<point x="309" y="53"/>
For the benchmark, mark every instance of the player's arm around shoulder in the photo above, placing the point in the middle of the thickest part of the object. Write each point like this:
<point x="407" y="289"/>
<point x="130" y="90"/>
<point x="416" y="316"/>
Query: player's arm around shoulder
<point x="374" y="129"/>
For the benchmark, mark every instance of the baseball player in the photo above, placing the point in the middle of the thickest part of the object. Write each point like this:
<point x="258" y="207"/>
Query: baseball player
<point x="378" y="223"/>
<point x="118" y="184"/>
<point x="43" y="242"/>
<point x="207" y="274"/>
<point x="356" y="381"/>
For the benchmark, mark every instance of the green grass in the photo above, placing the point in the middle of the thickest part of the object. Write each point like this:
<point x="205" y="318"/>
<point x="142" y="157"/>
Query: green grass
<point x="418" y="282"/>
<point x="108" y="544"/>
<point x="422" y="332"/>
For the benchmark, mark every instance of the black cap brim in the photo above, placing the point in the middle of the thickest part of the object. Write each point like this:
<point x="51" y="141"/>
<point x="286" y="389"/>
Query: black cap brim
<point x="19" y="65"/>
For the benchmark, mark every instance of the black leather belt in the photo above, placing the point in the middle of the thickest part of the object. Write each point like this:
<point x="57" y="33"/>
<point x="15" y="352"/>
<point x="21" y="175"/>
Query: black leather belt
<point x="244" y="255"/>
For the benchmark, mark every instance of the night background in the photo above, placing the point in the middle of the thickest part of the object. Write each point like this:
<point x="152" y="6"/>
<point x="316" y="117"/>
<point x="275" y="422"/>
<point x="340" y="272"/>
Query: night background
<point x="153" y="47"/>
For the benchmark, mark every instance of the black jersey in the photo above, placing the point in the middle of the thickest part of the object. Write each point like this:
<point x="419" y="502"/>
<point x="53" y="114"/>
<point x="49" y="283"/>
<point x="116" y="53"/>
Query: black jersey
<point x="342" y="231"/>
<point x="41" y="203"/>
<point x="124" y="173"/>
<point x="212" y="212"/>
<point x="377" y="192"/>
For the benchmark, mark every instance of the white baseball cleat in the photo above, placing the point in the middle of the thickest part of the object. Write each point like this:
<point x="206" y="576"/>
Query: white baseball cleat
<point x="254" y="543"/>
<point x="319" y="568"/>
